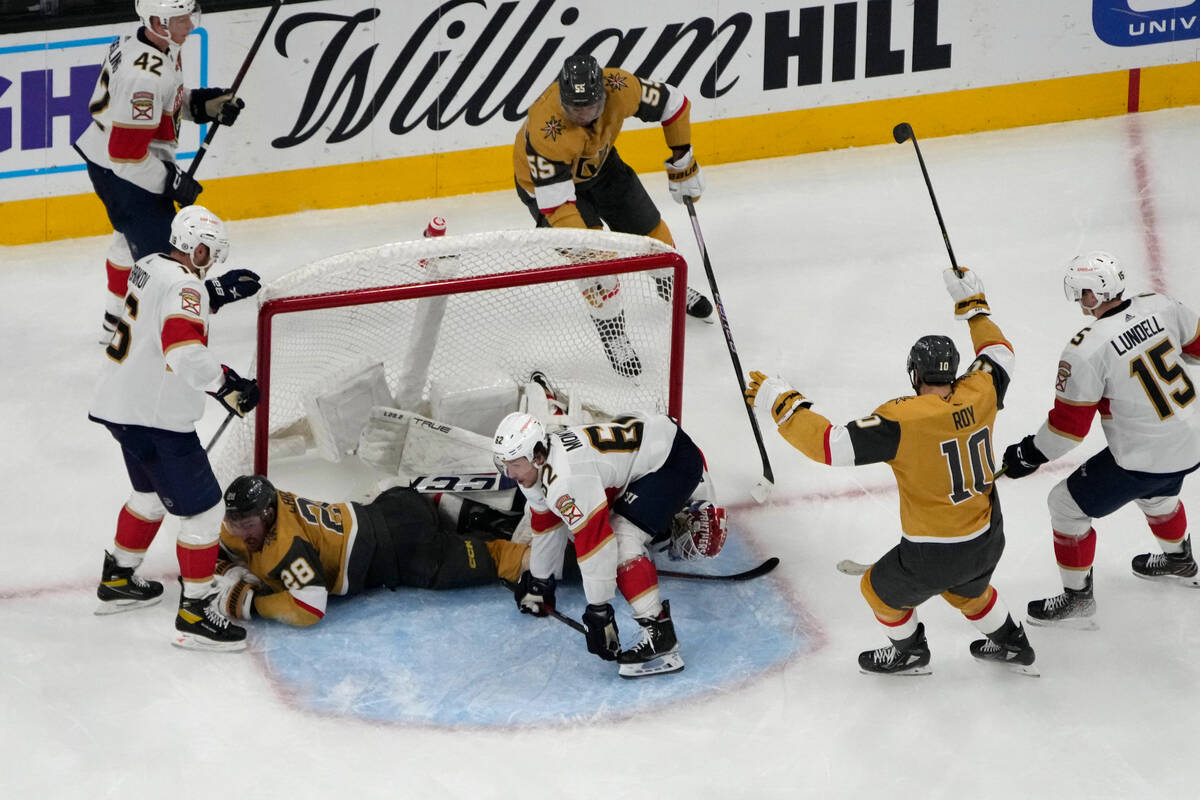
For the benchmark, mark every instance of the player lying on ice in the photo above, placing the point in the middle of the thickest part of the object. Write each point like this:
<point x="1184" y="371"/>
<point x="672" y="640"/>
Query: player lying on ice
<point x="283" y="555"/>
<point x="617" y="490"/>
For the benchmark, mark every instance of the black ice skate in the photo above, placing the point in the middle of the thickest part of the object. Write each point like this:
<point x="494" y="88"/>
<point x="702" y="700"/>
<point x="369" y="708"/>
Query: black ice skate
<point x="1170" y="567"/>
<point x="698" y="305"/>
<point x="1074" y="608"/>
<point x="905" y="657"/>
<point x="121" y="590"/>
<point x="657" y="652"/>
<point x="199" y="625"/>
<point x="617" y="347"/>
<point x="1013" y="650"/>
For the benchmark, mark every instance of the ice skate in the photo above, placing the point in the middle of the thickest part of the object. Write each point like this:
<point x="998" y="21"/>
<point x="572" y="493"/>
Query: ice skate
<point x="1074" y="608"/>
<point x="907" y="657"/>
<point x="657" y="653"/>
<point x="1015" y="652"/>
<point x="617" y="347"/>
<point x="199" y="625"/>
<point x="1168" y="567"/>
<point x="122" y="590"/>
<point x="698" y="306"/>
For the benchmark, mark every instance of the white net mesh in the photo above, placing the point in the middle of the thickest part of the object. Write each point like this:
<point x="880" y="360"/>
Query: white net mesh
<point x="606" y="340"/>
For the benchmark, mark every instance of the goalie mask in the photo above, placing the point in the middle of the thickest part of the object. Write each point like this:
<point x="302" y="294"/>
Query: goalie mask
<point x="698" y="531"/>
<point x="1097" y="271"/>
<point x="934" y="360"/>
<point x="194" y="226"/>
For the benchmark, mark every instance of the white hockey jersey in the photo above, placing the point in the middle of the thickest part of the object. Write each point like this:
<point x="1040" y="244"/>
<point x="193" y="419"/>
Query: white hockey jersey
<point x="136" y="108"/>
<point x="1128" y="366"/>
<point x="588" y="466"/>
<point x="158" y="365"/>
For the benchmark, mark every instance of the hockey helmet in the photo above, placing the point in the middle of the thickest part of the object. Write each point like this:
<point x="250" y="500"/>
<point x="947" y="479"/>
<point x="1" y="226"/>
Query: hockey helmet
<point x="196" y="225"/>
<point x="519" y="435"/>
<point x="249" y="496"/>
<point x="932" y="359"/>
<point x="1097" y="271"/>
<point x="581" y="88"/>
<point x="166" y="9"/>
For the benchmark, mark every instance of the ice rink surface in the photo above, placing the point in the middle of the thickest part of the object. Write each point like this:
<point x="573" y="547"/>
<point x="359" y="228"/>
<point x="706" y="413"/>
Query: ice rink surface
<point x="829" y="267"/>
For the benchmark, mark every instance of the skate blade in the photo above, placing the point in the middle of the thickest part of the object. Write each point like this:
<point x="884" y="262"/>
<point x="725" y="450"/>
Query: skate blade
<point x="901" y="673"/>
<point x="1191" y="583"/>
<point x="190" y="641"/>
<point x="107" y="607"/>
<point x="1072" y="623"/>
<point x="671" y="662"/>
<point x="1012" y="666"/>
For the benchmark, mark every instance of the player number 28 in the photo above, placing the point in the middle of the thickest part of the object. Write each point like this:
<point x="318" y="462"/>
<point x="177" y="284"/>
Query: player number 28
<point x="298" y="573"/>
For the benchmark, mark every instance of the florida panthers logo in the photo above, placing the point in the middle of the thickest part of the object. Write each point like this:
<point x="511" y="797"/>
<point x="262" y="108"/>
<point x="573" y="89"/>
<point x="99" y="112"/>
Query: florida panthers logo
<point x="1064" y="374"/>
<point x="553" y="129"/>
<point x="190" y="301"/>
<point x="569" y="511"/>
<point x="142" y="104"/>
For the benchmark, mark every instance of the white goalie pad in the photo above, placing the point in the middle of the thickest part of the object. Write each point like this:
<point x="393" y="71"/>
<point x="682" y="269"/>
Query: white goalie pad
<point x="556" y="410"/>
<point x="336" y="416"/>
<point x="476" y="406"/>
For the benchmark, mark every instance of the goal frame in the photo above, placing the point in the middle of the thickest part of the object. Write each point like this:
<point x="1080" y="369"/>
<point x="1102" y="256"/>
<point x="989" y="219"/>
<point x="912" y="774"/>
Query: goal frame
<point x="275" y="307"/>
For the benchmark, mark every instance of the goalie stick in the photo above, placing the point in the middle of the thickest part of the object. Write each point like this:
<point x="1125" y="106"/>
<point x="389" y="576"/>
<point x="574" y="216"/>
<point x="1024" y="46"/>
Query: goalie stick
<point x="754" y="572"/>
<point x="470" y="482"/>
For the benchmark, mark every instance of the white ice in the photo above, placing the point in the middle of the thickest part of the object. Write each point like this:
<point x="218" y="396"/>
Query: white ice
<point x="828" y="265"/>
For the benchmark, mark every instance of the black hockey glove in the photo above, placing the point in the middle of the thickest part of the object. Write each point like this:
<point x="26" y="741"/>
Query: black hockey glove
<point x="602" y="638"/>
<point x="215" y="105"/>
<point x="239" y="395"/>
<point x="534" y="595"/>
<point x="181" y="187"/>
<point x="236" y="284"/>
<point x="1023" y="458"/>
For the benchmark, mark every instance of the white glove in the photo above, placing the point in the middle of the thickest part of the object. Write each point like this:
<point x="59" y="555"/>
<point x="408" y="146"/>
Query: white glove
<point x="235" y="592"/>
<point x="967" y="293"/>
<point x="773" y="399"/>
<point x="686" y="179"/>
<point x="381" y="442"/>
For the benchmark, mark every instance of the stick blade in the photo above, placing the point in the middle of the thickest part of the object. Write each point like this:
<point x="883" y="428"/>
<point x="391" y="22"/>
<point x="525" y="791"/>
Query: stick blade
<point x="902" y="132"/>
<point x="761" y="491"/>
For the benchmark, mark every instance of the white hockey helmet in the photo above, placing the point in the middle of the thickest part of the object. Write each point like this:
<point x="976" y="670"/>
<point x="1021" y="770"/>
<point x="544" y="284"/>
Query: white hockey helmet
<point x="1098" y="271"/>
<point x="196" y="225"/>
<point x="517" y="436"/>
<point x="165" y="9"/>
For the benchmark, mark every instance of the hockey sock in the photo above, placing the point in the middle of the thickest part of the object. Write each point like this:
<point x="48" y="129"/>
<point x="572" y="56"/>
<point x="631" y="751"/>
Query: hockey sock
<point x="1169" y="529"/>
<point x="638" y="582"/>
<point x="118" y="283"/>
<point x="196" y="565"/>
<point x="134" y="535"/>
<point x="1075" y="556"/>
<point x="900" y="630"/>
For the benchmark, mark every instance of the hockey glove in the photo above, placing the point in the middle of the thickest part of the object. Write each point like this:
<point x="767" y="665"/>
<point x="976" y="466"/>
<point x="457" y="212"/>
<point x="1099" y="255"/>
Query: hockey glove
<point x="236" y="284"/>
<point x="1023" y="458"/>
<point x="967" y="293"/>
<point x="215" y="105"/>
<point x="602" y="638"/>
<point x="774" y="397"/>
<point x="181" y="187"/>
<point x="534" y="595"/>
<point x="686" y="179"/>
<point x="239" y="395"/>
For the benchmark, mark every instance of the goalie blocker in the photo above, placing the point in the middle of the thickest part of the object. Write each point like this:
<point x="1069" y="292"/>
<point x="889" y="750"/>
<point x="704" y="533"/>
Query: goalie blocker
<point x="302" y="551"/>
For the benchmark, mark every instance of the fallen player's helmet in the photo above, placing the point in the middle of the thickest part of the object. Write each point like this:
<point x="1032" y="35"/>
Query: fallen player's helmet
<point x="1097" y="271"/>
<point x="518" y="436"/>
<point x="249" y="495"/>
<point x="933" y="359"/>
<point x="196" y="225"/>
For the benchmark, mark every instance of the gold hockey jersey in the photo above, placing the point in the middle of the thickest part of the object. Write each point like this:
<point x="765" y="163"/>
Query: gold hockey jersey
<point x="939" y="449"/>
<point x="303" y="561"/>
<point x="551" y="154"/>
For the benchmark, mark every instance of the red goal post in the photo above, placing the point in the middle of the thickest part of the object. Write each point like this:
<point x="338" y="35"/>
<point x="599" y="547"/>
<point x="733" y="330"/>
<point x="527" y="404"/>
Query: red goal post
<point x="447" y="315"/>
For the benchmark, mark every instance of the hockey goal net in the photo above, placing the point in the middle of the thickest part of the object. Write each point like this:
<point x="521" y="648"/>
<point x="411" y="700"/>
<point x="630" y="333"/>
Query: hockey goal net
<point x="450" y="327"/>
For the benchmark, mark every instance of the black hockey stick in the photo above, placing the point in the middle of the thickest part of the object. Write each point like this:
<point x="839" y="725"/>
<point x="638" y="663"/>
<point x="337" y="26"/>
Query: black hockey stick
<point x="553" y="612"/>
<point x="903" y="133"/>
<point x="237" y="82"/>
<point x="220" y="431"/>
<point x="763" y="488"/>
<point x="762" y="569"/>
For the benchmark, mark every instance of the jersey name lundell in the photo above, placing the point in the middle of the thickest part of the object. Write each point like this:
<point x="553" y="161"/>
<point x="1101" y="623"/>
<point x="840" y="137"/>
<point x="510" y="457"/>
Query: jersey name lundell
<point x="1136" y="335"/>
